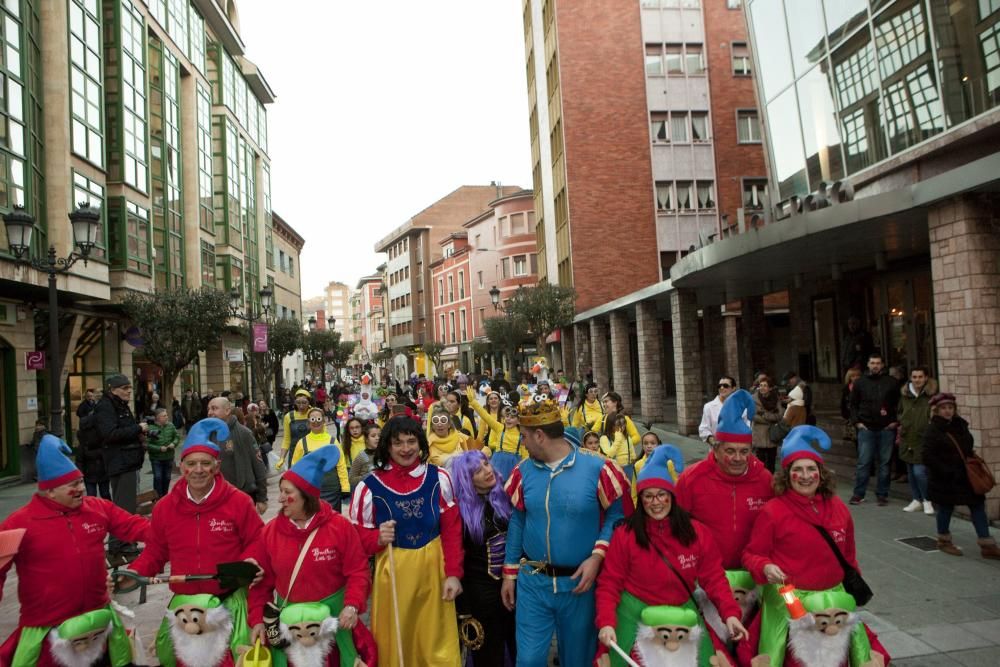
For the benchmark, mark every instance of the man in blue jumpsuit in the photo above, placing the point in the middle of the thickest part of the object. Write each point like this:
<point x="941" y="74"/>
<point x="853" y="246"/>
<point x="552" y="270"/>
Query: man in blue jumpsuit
<point x="565" y="507"/>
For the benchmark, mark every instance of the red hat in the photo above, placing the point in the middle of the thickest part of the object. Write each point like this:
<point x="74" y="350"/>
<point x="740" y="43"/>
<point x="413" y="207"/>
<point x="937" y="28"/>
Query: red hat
<point x="943" y="397"/>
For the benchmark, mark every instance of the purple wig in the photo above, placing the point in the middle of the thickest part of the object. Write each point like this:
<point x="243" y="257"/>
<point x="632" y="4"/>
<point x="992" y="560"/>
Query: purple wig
<point x="470" y="504"/>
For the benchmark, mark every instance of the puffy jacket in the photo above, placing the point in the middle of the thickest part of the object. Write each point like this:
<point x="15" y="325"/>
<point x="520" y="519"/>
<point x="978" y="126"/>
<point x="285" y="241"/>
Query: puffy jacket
<point x="728" y="505"/>
<point x="873" y="401"/>
<point x="947" y="480"/>
<point x="120" y="435"/>
<point x="914" y="415"/>
<point x="194" y="538"/>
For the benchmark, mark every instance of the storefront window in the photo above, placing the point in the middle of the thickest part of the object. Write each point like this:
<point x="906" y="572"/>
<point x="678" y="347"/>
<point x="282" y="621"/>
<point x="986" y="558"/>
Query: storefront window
<point x="786" y="143"/>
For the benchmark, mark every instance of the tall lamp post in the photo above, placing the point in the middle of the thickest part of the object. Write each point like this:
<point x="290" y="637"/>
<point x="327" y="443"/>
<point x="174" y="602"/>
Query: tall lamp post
<point x="250" y="316"/>
<point x="20" y="225"/>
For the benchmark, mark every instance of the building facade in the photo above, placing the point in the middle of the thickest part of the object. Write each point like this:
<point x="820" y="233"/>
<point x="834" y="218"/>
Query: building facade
<point x="369" y="319"/>
<point x="151" y="112"/>
<point x="337" y="301"/>
<point x="452" y="303"/>
<point x="288" y="291"/>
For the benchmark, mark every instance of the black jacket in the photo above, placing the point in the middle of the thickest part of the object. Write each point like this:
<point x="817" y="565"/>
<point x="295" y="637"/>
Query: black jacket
<point x="947" y="481"/>
<point x="121" y="437"/>
<point x="873" y="401"/>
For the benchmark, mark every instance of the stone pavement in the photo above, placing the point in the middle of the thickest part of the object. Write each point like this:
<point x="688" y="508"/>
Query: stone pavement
<point x="930" y="609"/>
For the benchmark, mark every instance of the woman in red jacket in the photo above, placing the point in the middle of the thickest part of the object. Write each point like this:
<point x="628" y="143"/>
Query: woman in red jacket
<point x="333" y="572"/>
<point x="787" y="546"/>
<point x="656" y="559"/>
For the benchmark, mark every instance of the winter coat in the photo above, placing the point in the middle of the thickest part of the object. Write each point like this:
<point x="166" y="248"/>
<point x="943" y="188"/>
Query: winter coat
<point x="873" y="401"/>
<point x="767" y="414"/>
<point x="727" y="505"/>
<point x="242" y="463"/>
<point x="914" y="415"/>
<point x="120" y="435"/>
<point x="947" y="480"/>
<point x="158" y="447"/>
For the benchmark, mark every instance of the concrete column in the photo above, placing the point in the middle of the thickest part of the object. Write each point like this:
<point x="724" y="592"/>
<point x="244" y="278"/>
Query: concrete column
<point x="569" y="352"/>
<point x="755" y="335"/>
<point x="599" y="352"/>
<point x="581" y="337"/>
<point x="622" y="359"/>
<point x="966" y="284"/>
<point x="649" y="331"/>
<point x="731" y="346"/>
<point x="714" y="334"/>
<point x="687" y="360"/>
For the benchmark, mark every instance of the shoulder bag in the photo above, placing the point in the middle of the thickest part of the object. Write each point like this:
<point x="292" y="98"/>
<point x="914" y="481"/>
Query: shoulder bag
<point x="677" y="574"/>
<point x="980" y="477"/>
<point x="853" y="582"/>
<point x="272" y="611"/>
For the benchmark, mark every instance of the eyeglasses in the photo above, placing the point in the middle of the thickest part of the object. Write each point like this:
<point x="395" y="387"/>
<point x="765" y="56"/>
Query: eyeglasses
<point x="657" y="497"/>
<point x="440" y="419"/>
<point x="316" y="420"/>
<point x="725" y="385"/>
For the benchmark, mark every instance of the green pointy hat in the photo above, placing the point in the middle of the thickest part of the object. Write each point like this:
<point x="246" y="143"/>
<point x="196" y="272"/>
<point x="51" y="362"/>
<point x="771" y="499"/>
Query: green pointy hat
<point x="816" y="602"/>
<point x="667" y="615"/>
<point x="740" y="579"/>
<point x="203" y="600"/>
<point x="84" y="623"/>
<point x="305" y="612"/>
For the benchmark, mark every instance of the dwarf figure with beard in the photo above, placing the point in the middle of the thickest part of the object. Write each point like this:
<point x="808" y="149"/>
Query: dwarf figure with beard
<point x="823" y="637"/>
<point x="61" y="520"/>
<point x="200" y="628"/>
<point x="309" y="628"/>
<point x="746" y="594"/>
<point x="668" y="637"/>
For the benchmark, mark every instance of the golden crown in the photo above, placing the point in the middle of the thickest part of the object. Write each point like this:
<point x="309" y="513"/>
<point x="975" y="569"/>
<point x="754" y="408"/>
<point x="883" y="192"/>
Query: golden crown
<point x="538" y="411"/>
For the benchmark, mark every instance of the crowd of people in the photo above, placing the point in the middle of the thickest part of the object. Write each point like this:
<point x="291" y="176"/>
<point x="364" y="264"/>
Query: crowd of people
<point x="473" y="521"/>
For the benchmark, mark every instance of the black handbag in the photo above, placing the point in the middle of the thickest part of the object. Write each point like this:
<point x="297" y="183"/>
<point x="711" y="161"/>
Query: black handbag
<point x="853" y="582"/>
<point x="777" y="431"/>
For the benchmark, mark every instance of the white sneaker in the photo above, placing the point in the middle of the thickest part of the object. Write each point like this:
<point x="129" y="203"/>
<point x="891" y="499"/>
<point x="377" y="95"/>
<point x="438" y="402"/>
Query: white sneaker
<point x="913" y="506"/>
<point x="928" y="507"/>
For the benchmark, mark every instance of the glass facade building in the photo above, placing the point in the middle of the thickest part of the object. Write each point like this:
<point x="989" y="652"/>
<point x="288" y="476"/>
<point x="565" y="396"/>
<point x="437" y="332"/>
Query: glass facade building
<point x="846" y="84"/>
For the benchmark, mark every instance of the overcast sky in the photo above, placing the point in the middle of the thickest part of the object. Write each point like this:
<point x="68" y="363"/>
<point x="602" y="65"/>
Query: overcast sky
<point x="383" y="108"/>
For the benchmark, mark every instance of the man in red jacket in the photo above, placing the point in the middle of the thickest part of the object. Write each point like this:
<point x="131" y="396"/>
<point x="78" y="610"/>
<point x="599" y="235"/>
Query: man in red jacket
<point x="53" y="588"/>
<point x="202" y="522"/>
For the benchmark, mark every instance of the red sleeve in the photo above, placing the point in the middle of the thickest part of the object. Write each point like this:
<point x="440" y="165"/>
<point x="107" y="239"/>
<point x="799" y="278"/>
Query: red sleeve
<point x="156" y="553"/>
<point x="611" y="580"/>
<point x="355" y="566"/>
<point x="513" y="487"/>
<point x="126" y="526"/>
<point x="712" y="576"/>
<point x="262" y="592"/>
<point x="451" y="542"/>
<point x="757" y="553"/>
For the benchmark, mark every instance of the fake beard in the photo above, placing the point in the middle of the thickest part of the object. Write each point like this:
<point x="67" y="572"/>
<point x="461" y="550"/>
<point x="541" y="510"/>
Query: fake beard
<point x="818" y="649"/>
<point x="652" y="652"/>
<point x="207" y="649"/>
<point x="714" y="620"/>
<point x="66" y="656"/>
<point x="310" y="656"/>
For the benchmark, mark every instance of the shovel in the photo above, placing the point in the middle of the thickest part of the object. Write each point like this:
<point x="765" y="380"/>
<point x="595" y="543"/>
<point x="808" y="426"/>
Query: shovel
<point x="229" y="575"/>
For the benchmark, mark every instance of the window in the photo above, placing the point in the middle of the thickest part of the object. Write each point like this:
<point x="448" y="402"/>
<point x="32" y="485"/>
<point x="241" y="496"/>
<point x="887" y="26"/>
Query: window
<point x="678" y="128"/>
<point x="663" y="196"/>
<point x="461" y="284"/>
<point x="684" y="196"/>
<point x="505" y="267"/>
<point x="673" y="59"/>
<point x="741" y="58"/>
<point x="691" y="4"/>
<point x="699" y="126"/>
<point x="520" y="265"/>
<point x="197" y="35"/>
<point x="706" y="195"/>
<point x="754" y="194"/>
<point x="451" y="321"/>
<point x="479" y="277"/>
<point x="441" y="333"/>
<point x="465" y="327"/>
<point x="281" y="261"/>
<point x="86" y="74"/>
<point x="482" y="317"/>
<point x="86" y="190"/>
<point x="733" y="4"/>
<point x="747" y="127"/>
<point x="206" y="218"/>
<point x="208" y="267"/>
<point x="654" y="60"/>
<point x="291" y="267"/>
<point x="132" y="162"/>
<point x="694" y="60"/>
<point x="658" y="126"/>
<point x="440" y="291"/>
<point x="451" y="289"/>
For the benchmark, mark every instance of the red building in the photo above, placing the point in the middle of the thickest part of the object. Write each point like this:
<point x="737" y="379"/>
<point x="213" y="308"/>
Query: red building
<point x="452" y="302"/>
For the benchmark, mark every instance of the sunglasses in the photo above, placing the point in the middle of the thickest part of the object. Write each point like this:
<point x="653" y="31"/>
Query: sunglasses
<point x="725" y="385"/>
<point x="440" y="420"/>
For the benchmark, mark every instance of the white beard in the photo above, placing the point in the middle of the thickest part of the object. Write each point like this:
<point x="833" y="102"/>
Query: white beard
<point x="818" y="649"/>
<point x="714" y="620"/>
<point x="64" y="655"/>
<point x="310" y="656"/>
<point x="652" y="652"/>
<point x="207" y="649"/>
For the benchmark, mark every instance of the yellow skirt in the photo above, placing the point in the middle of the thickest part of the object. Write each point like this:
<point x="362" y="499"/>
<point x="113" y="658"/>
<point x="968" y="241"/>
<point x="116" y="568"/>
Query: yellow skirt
<point x="429" y="626"/>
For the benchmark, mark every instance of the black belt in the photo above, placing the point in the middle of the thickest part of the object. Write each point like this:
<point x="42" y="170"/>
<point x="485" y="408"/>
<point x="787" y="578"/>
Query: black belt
<point x="548" y="569"/>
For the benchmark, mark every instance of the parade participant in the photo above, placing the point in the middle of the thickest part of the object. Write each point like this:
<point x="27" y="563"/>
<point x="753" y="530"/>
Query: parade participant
<point x="789" y="545"/>
<point x="616" y="443"/>
<point x="386" y="413"/>
<point x="657" y="558"/>
<point x="613" y="405"/>
<point x="203" y="521"/>
<point x="727" y="490"/>
<point x="52" y="589"/>
<point x="353" y="439"/>
<point x="590" y="411"/>
<point x="503" y="434"/>
<point x="311" y="554"/>
<point x="592" y="443"/>
<point x="650" y="441"/>
<point x="295" y="423"/>
<point x="565" y="507"/>
<point x="492" y="405"/>
<point x="362" y="463"/>
<point x="453" y="403"/>
<point x="444" y="440"/>
<point x="485" y="510"/>
<point x="337" y="484"/>
<point x="406" y="516"/>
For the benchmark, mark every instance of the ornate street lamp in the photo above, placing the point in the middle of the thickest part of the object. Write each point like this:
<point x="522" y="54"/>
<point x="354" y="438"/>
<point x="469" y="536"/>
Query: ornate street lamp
<point x="495" y="297"/>
<point x="250" y="316"/>
<point x="312" y="324"/>
<point x="331" y="322"/>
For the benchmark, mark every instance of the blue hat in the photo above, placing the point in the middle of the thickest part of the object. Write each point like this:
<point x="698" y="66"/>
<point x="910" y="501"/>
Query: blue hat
<point x="199" y="438"/>
<point x="573" y="435"/>
<point x="798" y="444"/>
<point x="308" y="472"/>
<point x="53" y="463"/>
<point x="731" y="426"/>
<point x="661" y="469"/>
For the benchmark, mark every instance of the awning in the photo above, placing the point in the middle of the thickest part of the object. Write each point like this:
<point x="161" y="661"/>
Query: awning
<point x="554" y="337"/>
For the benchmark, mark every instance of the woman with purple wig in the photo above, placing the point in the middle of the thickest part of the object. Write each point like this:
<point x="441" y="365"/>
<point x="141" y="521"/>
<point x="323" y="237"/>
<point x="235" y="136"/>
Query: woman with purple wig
<point x="485" y="625"/>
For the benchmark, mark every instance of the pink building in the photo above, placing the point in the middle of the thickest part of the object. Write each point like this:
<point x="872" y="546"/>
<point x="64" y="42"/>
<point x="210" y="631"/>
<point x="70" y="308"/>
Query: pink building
<point x="452" y="303"/>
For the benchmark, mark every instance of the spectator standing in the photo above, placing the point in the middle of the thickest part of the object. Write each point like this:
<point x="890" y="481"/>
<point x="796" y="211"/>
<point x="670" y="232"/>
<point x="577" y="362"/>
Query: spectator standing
<point x="850" y="432"/>
<point x="161" y="445"/>
<point x="947" y="443"/>
<point x="874" y="400"/>
<point x="710" y="413"/>
<point x="914" y="415"/>
<point x="240" y="461"/>
<point x="87" y="405"/>
<point x="795" y="411"/>
<point x="191" y="407"/>
<point x="270" y="420"/>
<point x="856" y="345"/>
<point x="766" y="414"/>
<point x="90" y="458"/>
<point x="793" y="380"/>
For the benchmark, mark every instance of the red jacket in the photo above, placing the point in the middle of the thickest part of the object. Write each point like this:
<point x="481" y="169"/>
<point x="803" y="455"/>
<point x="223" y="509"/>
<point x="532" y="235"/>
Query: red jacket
<point x="642" y="572"/>
<point x="335" y="558"/>
<point x="60" y="565"/>
<point x="194" y="538"/>
<point x="727" y="505"/>
<point x="784" y="535"/>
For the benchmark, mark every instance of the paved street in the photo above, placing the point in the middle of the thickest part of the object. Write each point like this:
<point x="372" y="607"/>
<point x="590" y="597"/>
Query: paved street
<point x="930" y="609"/>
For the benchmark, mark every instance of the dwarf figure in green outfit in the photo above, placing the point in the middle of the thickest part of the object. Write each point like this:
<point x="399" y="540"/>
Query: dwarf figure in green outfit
<point x="82" y="640"/>
<point x="822" y="638"/>
<point x="309" y="628"/>
<point x="200" y="627"/>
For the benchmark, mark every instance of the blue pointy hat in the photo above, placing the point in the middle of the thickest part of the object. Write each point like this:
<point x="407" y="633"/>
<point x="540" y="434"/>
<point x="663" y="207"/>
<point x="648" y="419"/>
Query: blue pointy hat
<point x="200" y="437"/>
<point x="53" y="464"/>
<point x="798" y="444"/>
<point x="661" y="470"/>
<point x="732" y="427"/>
<point x="308" y="472"/>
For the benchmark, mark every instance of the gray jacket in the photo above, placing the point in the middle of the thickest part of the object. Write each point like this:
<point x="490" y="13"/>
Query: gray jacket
<point x="241" y="462"/>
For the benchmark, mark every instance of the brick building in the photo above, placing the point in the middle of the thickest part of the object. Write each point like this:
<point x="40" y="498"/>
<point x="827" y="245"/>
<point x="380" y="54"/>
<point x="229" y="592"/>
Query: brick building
<point x="452" y="302"/>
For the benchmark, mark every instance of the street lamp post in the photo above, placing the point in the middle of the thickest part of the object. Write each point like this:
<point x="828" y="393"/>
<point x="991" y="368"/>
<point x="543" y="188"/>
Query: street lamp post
<point x="250" y="316"/>
<point x="20" y="225"/>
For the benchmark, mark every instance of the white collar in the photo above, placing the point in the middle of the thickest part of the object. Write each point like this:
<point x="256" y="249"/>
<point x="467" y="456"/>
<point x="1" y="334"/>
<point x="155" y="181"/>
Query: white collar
<point x="199" y="502"/>
<point x="308" y="522"/>
<point x="416" y="472"/>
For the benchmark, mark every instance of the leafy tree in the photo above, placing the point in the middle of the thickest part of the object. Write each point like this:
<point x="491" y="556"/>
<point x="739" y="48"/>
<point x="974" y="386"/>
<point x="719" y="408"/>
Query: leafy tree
<point x="319" y="347"/>
<point x="543" y="308"/>
<point x="433" y="350"/>
<point x="176" y="325"/>
<point x="283" y="337"/>
<point x="507" y="333"/>
<point x="339" y="356"/>
<point x="480" y="348"/>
